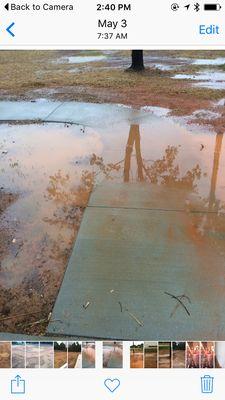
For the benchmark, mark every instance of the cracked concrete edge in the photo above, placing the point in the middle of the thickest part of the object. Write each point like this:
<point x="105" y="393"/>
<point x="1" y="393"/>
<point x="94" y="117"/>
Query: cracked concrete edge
<point x="5" y="337"/>
<point x="52" y="112"/>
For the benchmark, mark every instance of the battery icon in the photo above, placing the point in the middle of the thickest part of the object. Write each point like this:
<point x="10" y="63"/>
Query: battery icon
<point x="212" y="7"/>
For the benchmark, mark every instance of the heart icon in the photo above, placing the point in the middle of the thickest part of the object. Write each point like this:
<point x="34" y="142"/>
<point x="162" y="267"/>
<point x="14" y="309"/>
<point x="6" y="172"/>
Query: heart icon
<point x="112" y="384"/>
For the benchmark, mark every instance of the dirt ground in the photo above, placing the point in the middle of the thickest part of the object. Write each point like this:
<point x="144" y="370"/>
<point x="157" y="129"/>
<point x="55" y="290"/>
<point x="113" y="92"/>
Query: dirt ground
<point x="137" y="360"/>
<point x="5" y="355"/>
<point x="151" y="360"/>
<point x="6" y="237"/>
<point x="164" y="358"/>
<point x="178" y="359"/>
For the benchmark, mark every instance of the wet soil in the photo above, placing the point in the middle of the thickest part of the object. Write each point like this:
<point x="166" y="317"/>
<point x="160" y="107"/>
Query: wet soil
<point x="137" y="360"/>
<point x="151" y="360"/>
<point x="164" y="360"/>
<point x="6" y="237"/>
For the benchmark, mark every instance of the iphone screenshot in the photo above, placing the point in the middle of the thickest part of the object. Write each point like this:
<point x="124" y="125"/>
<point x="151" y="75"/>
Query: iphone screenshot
<point x="112" y="200"/>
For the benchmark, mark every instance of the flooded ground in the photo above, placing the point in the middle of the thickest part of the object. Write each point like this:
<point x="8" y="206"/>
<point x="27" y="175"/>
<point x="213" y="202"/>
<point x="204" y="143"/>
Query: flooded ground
<point x="81" y="59"/>
<point x="46" y="355"/>
<point x="207" y="79"/>
<point x="179" y="355"/>
<point x="164" y="357"/>
<point x="49" y="170"/>
<point x="32" y="354"/>
<point x="112" y="355"/>
<point x="88" y="355"/>
<point x="18" y="354"/>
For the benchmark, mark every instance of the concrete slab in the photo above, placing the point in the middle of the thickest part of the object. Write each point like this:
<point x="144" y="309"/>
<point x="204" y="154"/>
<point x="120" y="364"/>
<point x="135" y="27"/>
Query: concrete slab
<point x="6" y="336"/>
<point x="146" y="196"/>
<point x="96" y="115"/>
<point x="87" y="114"/>
<point x="26" y="110"/>
<point x="127" y="259"/>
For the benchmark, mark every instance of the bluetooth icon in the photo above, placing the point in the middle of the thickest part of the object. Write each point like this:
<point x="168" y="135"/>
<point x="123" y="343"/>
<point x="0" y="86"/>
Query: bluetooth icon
<point x="197" y="7"/>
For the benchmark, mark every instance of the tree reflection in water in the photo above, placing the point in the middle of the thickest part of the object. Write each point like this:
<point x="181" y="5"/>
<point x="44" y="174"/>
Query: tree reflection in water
<point x="162" y="171"/>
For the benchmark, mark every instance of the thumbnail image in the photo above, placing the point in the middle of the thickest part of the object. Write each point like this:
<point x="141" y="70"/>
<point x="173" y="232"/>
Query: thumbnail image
<point x="112" y="355"/>
<point x="165" y="355"/>
<point x="60" y="355"/>
<point x="220" y="355"/>
<point x="193" y="353"/>
<point x="137" y="355"/>
<point x="179" y="354"/>
<point x="5" y="354"/>
<point x="46" y="355"/>
<point x="92" y="145"/>
<point x="207" y="354"/>
<point x="18" y="354"/>
<point x="74" y="355"/>
<point x="32" y="355"/>
<point x="151" y="354"/>
<point x="88" y="354"/>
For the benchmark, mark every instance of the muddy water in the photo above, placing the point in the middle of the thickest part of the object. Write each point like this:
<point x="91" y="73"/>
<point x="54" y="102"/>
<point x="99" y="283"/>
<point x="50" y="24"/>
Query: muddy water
<point x="207" y="79"/>
<point x="81" y="59"/>
<point x="54" y="168"/>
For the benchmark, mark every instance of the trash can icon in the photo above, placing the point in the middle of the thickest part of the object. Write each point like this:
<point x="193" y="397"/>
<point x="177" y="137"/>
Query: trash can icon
<point x="207" y="384"/>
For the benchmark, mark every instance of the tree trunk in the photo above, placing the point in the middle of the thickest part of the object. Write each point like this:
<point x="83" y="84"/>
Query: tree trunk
<point x="137" y="61"/>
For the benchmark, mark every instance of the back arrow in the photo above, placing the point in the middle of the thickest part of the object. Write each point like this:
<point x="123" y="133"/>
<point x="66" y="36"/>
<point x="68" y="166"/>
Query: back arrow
<point x="9" y="29"/>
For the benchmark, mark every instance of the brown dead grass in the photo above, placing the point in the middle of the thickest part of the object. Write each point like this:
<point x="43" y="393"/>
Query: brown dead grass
<point x="32" y="74"/>
<point x="5" y="355"/>
<point x="60" y="358"/>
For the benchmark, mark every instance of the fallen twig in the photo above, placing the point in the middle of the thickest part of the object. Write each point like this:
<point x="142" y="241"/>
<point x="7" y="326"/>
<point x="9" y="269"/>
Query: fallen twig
<point x="121" y="307"/>
<point x="178" y="304"/>
<point x="135" y="318"/>
<point x="178" y="298"/>
<point x="86" y="305"/>
<point x="20" y="315"/>
<point x="41" y="321"/>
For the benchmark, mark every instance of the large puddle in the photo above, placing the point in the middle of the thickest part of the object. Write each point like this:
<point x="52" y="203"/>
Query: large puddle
<point x="207" y="79"/>
<point x="163" y="63"/>
<point x="54" y="167"/>
<point x="81" y="59"/>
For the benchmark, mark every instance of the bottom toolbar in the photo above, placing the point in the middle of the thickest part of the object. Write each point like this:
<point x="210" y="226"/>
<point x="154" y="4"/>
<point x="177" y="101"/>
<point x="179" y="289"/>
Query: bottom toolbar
<point x="122" y="370"/>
